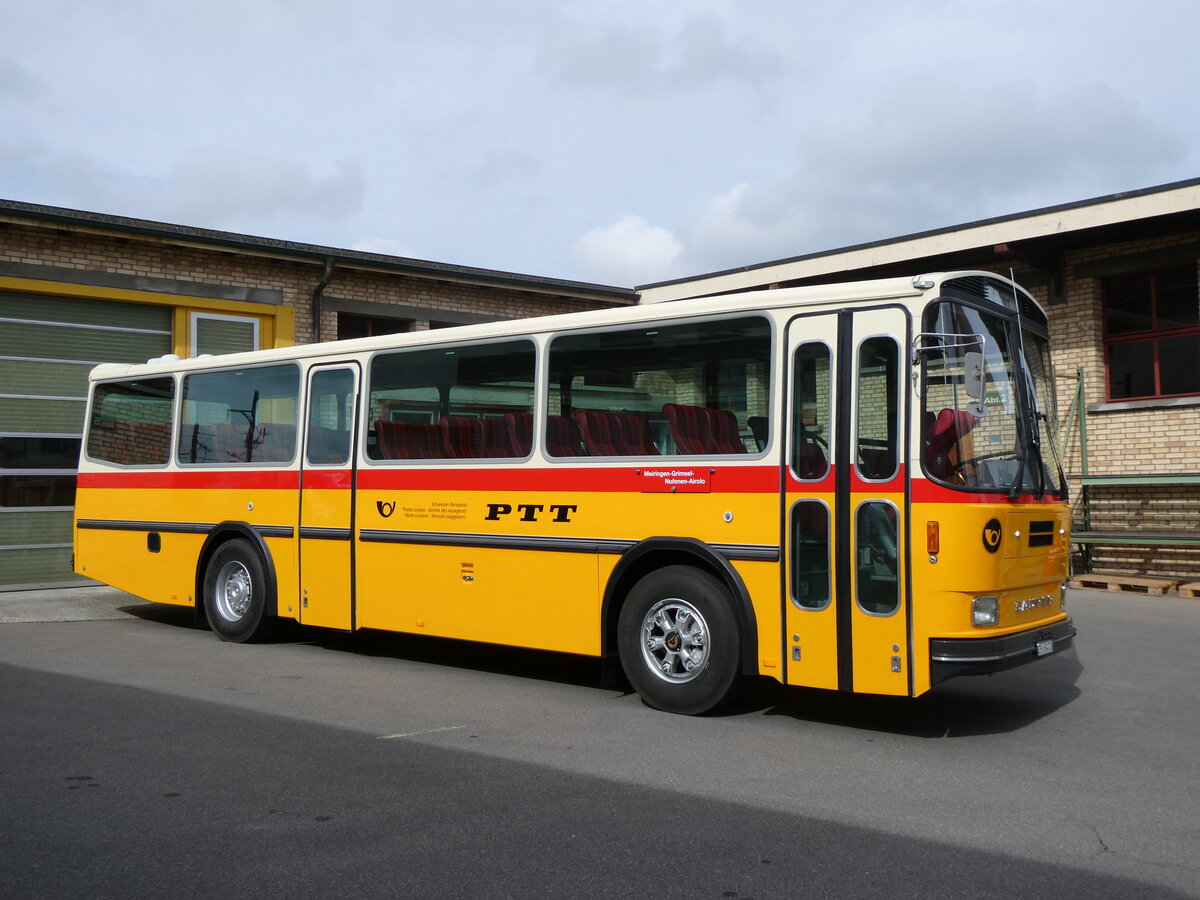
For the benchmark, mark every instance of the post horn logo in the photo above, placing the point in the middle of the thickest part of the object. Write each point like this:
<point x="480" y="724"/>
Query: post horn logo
<point x="385" y="509"/>
<point x="992" y="533"/>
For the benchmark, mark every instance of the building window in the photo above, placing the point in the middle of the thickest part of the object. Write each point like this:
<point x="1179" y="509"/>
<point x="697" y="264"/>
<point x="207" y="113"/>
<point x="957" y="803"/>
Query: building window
<point x="369" y="326"/>
<point x="1152" y="334"/>
<point x="218" y="334"/>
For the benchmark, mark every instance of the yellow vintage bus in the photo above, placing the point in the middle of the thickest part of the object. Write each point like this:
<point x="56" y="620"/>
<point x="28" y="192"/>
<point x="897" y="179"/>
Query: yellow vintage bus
<point x="852" y="487"/>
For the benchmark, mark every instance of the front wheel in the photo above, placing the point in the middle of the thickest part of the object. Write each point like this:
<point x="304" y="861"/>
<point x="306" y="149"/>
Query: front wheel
<point x="679" y="641"/>
<point x="235" y="592"/>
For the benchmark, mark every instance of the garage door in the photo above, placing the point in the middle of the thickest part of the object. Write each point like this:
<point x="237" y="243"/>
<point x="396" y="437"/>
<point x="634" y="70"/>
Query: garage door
<point x="47" y="346"/>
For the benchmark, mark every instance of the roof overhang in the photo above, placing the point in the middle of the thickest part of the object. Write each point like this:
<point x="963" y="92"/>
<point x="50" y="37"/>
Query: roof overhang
<point x="98" y="223"/>
<point x="1050" y="222"/>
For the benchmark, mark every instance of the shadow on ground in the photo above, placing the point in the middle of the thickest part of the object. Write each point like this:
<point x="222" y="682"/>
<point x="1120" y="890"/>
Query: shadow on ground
<point x="963" y="707"/>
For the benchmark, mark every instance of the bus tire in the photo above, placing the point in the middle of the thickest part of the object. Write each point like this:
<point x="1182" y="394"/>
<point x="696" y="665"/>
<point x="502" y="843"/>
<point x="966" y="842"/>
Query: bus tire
<point x="235" y="592"/>
<point x="678" y="639"/>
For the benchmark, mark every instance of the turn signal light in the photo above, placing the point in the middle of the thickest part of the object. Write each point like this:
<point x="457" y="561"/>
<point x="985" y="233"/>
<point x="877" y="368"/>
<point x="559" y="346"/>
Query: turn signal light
<point x="933" y="538"/>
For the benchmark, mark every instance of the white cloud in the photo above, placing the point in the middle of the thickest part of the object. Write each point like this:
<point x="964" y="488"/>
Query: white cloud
<point x="652" y="53"/>
<point x="224" y="186"/>
<point x="928" y="156"/>
<point x="17" y="83"/>
<point x="627" y="252"/>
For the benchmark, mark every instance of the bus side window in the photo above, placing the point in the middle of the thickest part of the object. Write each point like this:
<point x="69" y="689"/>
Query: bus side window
<point x="236" y="416"/>
<point x="810" y="412"/>
<point x="810" y="554"/>
<point x="878" y="406"/>
<point x="466" y="401"/>
<point x="877" y="561"/>
<point x="684" y="388"/>
<point x="330" y="415"/>
<point x="131" y="422"/>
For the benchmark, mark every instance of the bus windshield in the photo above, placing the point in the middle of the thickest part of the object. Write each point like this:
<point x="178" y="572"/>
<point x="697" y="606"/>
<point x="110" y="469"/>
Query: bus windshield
<point x="987" y="409"/>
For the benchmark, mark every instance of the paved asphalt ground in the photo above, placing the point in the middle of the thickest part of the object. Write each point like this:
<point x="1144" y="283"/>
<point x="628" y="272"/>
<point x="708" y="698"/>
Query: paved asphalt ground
<point x="142" y="758"/>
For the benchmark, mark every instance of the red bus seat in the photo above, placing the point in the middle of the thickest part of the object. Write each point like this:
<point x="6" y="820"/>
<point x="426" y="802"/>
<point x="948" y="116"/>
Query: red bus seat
<point x="615" y="434"/>
<point x="520" y="432"/>
<point x="942" y="437"/>
<point x="408" y="440"/>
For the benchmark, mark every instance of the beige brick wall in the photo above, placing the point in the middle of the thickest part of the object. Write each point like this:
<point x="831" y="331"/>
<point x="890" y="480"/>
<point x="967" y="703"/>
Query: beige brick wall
<point x="296" y="280"/>
<point x="1163" y="440"/>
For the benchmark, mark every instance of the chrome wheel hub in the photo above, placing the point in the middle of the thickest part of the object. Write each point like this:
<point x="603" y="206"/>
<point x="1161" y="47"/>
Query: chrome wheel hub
<point x="674" y="640"/>
<point x="233" y="591"/>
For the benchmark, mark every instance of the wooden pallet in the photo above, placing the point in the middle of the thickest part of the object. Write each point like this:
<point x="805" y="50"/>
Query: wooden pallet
<point x="1190" y="591"/>
<point x="1125" y="584"/>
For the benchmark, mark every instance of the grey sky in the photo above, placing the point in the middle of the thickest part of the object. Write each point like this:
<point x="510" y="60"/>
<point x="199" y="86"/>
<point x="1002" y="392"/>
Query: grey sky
<point x="613" y="141"/>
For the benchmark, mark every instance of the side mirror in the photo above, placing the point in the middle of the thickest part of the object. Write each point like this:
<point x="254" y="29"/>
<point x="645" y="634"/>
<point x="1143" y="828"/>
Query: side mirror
<point x="973" y="374"/>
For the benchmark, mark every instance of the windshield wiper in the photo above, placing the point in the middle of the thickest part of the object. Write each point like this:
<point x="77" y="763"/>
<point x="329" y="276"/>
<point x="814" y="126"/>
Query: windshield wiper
<point x="1015" y="488"/>
<point x="1031" y="446"/>
<point x="1035" y="444"/>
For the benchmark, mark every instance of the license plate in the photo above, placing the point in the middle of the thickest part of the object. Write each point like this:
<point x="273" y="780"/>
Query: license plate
<point x="1043" y="648"/>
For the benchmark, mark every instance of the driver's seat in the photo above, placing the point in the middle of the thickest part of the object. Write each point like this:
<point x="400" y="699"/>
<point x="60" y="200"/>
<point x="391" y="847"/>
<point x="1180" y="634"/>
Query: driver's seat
<point x="941" y="439"/>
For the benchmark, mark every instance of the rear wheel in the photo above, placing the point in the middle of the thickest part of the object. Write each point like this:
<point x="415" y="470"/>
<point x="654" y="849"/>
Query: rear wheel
<point x="235" y="592"/>
<point x="679" y="641"/>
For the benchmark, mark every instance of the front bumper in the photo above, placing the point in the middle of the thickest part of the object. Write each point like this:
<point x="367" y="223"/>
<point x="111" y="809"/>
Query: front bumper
<point x="950" y="657"/>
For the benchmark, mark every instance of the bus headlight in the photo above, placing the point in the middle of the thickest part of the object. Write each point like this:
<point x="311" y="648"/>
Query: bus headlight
<point x="985" y="611"/>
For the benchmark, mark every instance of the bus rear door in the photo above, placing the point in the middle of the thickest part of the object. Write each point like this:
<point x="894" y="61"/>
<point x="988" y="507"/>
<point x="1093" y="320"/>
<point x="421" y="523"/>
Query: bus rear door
<point x="327" y="497"/>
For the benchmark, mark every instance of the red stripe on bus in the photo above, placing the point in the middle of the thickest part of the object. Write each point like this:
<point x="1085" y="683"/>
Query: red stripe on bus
<point x="725" y="480"/>
<point x="924" y="491"/>
<point x="634" y="479"/>
<point x="253" y="479"/>
<point x="827" y="485"/>
<point x="327" y="479"/>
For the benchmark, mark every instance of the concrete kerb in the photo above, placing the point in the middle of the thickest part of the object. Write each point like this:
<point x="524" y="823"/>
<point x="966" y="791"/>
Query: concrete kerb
<point x="71" y="604"/>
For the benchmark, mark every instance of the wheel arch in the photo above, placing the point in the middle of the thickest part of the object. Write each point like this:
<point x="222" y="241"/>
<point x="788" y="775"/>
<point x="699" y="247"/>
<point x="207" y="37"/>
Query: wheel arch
<point x="658" y="552"/>
<point x="222" y="534"/>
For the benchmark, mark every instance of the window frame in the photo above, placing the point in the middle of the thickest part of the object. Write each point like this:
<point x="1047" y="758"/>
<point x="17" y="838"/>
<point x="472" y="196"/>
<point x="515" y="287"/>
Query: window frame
<point x="772" y="387"/>
<point x="793" y="555"/>
<point x="895" y="402"/>
<point x="181" y="400"/>
<point x="1152" y="336"/>
<point x="370" y="452"/>
<point x="858" y="579"/>
<point x="195" y="317"/>
<point x="172" y="424"/>
<point x="40" y="471"/>
<point x="825" y="404"/>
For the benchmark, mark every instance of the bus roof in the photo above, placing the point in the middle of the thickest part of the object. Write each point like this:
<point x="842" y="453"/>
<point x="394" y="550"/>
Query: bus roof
<point x="811" y="295"/>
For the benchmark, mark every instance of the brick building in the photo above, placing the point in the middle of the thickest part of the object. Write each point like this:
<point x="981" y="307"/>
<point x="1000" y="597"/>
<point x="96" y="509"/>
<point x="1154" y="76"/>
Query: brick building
<point x="1118" y="277"/>
<point x="80" y="288"/>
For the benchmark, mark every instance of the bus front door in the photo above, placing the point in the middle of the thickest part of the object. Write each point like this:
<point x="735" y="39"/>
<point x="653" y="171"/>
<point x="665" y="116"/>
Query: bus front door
<point x="847" y="616"/>
<point x="327" y="498"/>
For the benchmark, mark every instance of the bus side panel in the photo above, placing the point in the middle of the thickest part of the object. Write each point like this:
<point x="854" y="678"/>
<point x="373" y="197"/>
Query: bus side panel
<point x="762" y="583"/>
<point x="522" y="598"/>
<point x="530" y="567"/>
<point x="121" y="556"/>
<point x="284" y="557"/>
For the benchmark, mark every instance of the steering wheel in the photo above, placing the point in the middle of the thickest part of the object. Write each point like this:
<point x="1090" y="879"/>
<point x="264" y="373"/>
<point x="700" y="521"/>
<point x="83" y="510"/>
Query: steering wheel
<point x="962" y="464"/>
